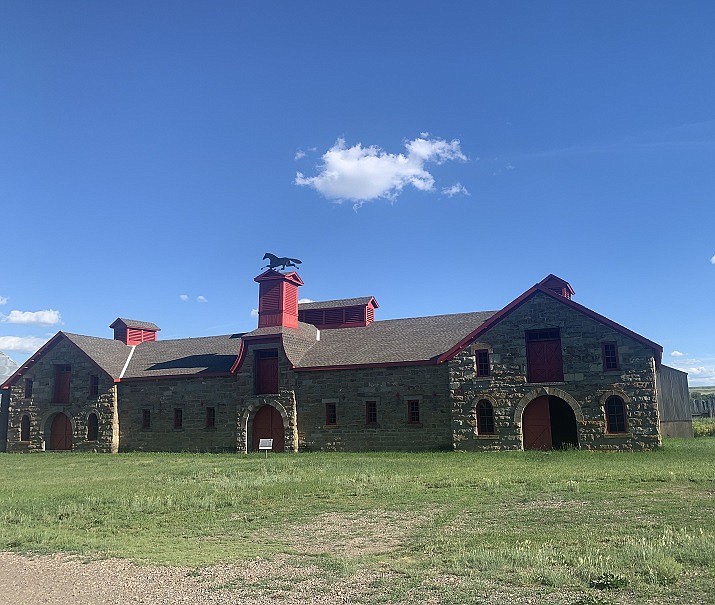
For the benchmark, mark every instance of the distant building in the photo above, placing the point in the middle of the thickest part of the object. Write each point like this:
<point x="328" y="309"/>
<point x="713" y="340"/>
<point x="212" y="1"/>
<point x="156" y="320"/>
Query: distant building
<point x="7" y="368"/>
<point x="543" y="372"/>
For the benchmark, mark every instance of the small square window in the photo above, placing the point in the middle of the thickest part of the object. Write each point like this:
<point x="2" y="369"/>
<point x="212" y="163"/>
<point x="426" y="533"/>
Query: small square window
<point x="331" y="413"/>
<point x="482" y="356"/>
<point x="210" y="418"/>
<point x="413" y="411"/>
<point x="93" y="385"/>
<point x="609" y="354"/>
<point x="146" y="419"/>
<point x="178" y="418"/>
<point x="28" y="388"/>
<point x="371" y="412"/>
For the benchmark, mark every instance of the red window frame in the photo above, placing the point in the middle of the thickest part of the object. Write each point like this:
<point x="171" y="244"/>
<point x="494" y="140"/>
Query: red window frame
<point x="210" y="417"/>
<point x="485" y="418"/>
<point x="616" y="415"/>
<point x="482" y="358"/>
<point x="371" y="412"/>
<point x="146" y="419"/>
<point x="413" y="411"/>
<point x="609" y="356"/>
<point x="331" y="413"/>
<point x="178" y="418"/>
<point x="28" y="388"/>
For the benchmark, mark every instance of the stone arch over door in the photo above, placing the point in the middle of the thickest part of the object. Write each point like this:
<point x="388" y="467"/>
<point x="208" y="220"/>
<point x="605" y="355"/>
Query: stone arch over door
<point x="246" y="428"/>
<point x="549" y="419"/>
<point x="59" y="430"/>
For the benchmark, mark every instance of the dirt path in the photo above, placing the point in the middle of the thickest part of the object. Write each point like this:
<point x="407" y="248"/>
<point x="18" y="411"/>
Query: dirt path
<point x="64" y="579"/>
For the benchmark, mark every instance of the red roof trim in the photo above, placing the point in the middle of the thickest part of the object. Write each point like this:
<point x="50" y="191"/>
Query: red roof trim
<point x="292" y="277"/>
<point x="239" y="359"/>
<point x="497" y="317"/>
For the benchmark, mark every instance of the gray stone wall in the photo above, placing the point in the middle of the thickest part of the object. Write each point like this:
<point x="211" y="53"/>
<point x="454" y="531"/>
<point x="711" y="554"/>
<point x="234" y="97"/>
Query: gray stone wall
<point x="192" y="396"/>
<point x="41" y="408"/>
<point x="585" y="387"/>
<point x="391" y="387"/>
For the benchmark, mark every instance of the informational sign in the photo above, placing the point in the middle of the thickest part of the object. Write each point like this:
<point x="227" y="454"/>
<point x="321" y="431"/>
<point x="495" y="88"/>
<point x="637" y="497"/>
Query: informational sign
<point x="265" y="444"/>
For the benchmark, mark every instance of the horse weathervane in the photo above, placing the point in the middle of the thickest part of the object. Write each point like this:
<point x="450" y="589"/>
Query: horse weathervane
<point x="280" y="261"/>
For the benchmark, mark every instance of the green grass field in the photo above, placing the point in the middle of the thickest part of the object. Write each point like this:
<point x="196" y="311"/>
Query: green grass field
<point x="575" y="527"/>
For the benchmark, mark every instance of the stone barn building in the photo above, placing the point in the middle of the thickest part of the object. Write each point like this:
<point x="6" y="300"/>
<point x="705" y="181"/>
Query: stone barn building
<point x="543" y="372"/>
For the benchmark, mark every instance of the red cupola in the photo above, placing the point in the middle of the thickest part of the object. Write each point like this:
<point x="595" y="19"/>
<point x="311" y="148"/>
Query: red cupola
<point x="558" y="285"/>
<point x="133" y="332"/>
<point x="278" y="299"/>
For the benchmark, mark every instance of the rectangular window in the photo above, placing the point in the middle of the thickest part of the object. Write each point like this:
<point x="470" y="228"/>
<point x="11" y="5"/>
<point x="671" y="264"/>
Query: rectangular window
<point x="371" y="412"/>
<point x="544" y="361"/>
<point x="413" y="411"/>
<point x="146" y="419"/>
<point x="178" y="418"/>
<point x="28" y="388"/>
<point x="93" y="385"/>
<point x="609" y="355"/>
<point x="482" y="362"/>
<point x="210" y="418"/>
<point x="331" y="413"/>
<point x="63" y="374"/>
<point x="266" y="378"/>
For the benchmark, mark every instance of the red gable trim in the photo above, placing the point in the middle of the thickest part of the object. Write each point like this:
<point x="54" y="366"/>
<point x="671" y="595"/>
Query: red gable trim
<point x="516" y="303"/>
<point x="41" y="352"/>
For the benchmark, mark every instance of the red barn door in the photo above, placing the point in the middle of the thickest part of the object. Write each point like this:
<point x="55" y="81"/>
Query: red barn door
<point x="61" y="433"/>
<point x="536" y="425"/>
<point x="268" y="424"/>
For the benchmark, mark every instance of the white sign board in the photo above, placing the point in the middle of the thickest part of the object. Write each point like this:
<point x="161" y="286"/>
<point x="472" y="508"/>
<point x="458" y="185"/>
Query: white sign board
<point x="265" y="444"/>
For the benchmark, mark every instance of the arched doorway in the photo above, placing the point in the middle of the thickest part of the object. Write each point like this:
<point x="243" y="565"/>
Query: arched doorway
<point x="61" y="433"/>
<point x="548" y="422"/>
<point x="268" y="424"/>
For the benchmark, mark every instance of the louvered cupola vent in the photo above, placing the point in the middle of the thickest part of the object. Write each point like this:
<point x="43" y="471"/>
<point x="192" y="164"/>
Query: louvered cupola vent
<point x="278" y="299"/>
<point x="344" y="313"/>
<point x="557" y="285"/>
<point x="132" y="332"/>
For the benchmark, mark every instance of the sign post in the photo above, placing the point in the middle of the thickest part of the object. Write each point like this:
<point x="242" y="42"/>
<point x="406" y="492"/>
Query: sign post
<point x="265" y="444"/>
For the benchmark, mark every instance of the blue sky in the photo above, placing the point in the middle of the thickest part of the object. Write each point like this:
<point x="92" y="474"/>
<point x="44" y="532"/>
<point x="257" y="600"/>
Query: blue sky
<point x="443" y="157"/>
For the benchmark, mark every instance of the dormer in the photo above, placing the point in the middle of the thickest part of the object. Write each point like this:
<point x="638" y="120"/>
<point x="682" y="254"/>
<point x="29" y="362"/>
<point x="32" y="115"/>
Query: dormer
<point x="557" y="285"/>
<point x="132" y="332"/>
<point x="278" y="299"/>
<point x="344" y="313"/>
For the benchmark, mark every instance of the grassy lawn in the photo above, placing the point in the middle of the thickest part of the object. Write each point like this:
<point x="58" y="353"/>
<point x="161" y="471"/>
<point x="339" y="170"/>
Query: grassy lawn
<point x="570" y="527"/>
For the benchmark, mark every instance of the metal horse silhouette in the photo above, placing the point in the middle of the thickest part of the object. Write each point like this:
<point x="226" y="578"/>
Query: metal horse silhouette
<point x="282" y="261"/>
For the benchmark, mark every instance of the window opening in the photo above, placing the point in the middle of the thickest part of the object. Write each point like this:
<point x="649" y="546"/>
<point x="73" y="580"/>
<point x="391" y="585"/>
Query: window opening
<point x="210" y="418"/>
<point x="609" y="353"/>
<point x="371" y="412"/>
<point x="92" y="427"/>
<point x="482" y="362"/>
<point x="413" y="411"/>
<point x="615" y="415"/>
<point x="331" y="413"/>
<point x="485" y="417"/>
<point x="25" y="428"/>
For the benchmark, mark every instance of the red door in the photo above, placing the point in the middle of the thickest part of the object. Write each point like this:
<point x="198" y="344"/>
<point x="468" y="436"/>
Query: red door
<point x="267" y="373"/>
<point x="63" y="375"/>
<point x="268" y="424"/>
<point x="536" y="425"/>
<point x="61" y="433"/>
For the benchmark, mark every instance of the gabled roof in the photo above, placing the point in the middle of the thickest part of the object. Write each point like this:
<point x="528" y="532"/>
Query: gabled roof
<point x="341" y="302"/>
<point x="530" y="293"/>
<point x="135" y="323"/>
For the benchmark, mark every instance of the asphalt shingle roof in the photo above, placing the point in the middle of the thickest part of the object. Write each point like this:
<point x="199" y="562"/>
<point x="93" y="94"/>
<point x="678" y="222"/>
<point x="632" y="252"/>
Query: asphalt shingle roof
<point x="392" y="340"/>
<point x="329" y="304"/>
<point x="205" y="355"/>
<point x="108" y="354"/>
<point x="135" y="323"/>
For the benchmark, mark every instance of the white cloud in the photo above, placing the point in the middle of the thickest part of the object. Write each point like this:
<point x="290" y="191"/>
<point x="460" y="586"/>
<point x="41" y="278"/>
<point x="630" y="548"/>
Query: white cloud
<point x="305" y="300"/>
<point x="361" y="174"/>
<point x="184" y="297"/>
<point x="677" y="354"/>
<point x="456" y="189"/>
<point x="712" y="260"/>
<point x="48" y="317"/>
<point x="254" y="312"/>
<point x="3" y="300"/>
<point x="27" y="344"/>
<point x="201" y="299"/>
<point x="299" y="154"/>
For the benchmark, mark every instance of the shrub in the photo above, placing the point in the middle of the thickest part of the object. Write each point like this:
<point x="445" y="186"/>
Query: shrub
<point x="704" y="427"/>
